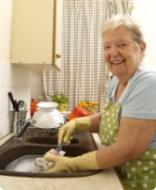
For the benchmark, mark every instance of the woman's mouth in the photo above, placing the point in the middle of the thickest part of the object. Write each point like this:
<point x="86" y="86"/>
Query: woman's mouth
<point x="117" y="62"/>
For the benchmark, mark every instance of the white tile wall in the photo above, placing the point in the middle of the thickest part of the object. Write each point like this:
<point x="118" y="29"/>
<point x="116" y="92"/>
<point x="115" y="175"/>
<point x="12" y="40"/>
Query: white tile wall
<point x="36" y="85"/>
<point x="12" y="78"/>
<point x="5" y="124"/>
<point x="16" y="80"/>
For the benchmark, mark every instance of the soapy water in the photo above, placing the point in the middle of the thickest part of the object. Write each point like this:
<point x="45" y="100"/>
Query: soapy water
<point x="33" y="163"/>
<point x="24" y="164"/>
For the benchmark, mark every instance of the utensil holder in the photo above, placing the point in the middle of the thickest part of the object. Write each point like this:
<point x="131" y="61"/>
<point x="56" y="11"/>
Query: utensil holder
<point x="19" y="116"/>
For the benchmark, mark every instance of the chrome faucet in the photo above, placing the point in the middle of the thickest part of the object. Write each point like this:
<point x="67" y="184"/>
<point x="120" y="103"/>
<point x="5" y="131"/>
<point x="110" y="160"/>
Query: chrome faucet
<point x="19" y="129"/>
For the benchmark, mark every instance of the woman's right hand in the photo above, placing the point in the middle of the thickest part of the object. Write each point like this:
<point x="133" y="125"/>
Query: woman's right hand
<point x="65" y="132"/>
<point x="82" y="124"/>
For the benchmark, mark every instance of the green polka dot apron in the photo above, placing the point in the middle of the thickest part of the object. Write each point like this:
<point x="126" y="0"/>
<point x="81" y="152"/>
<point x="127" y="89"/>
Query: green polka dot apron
<point x="138" y="174"/>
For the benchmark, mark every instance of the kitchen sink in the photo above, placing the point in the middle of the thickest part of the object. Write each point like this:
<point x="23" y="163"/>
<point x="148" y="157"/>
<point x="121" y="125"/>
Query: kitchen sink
<point x="37" y="141"/>
<point x="47" y="140"/>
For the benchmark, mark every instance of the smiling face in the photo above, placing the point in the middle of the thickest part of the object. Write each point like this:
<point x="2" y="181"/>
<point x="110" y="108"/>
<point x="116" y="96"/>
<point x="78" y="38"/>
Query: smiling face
<point x="122" y="53"/>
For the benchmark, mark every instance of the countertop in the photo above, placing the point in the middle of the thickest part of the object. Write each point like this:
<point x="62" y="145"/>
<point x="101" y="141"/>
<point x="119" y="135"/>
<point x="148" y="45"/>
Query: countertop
<point x="105" y="180"/>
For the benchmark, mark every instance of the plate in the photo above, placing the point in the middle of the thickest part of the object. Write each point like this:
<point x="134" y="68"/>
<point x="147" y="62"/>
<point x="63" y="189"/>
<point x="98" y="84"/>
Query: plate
<point x="24" y="164"/>
<point x="47" y="105"/>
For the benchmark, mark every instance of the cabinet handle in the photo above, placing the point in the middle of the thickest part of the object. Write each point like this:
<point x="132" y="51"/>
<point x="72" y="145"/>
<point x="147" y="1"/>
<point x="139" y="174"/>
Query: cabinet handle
<point x="58" y="56"/>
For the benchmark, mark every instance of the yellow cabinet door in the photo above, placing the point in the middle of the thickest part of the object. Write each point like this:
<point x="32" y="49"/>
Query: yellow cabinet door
<point x="57" y="48"/>
<point x="33" y="36"/>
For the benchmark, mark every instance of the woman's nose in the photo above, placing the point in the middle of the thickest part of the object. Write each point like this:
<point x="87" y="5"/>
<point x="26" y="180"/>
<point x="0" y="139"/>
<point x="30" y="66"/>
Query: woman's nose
<point x="114" y="51"/>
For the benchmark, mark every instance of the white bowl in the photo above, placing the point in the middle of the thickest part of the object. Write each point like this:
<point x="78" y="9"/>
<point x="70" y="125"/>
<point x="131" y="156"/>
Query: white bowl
<point x="47" y="105"/>
<point x="45" y="118"/>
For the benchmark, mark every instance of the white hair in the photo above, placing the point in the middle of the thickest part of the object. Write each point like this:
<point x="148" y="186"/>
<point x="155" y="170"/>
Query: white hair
<point x="124" y="21"/>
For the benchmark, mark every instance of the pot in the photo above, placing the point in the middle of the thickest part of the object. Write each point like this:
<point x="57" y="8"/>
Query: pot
<point x="47" y="116"/>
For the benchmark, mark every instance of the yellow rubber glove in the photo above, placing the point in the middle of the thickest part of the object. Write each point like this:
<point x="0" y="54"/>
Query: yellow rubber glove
<point x="80" y="124"/>
<point x="85" y="162"/>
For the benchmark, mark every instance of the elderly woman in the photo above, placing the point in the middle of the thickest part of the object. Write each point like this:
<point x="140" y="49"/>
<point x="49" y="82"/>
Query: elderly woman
<point x="128" y="122"/>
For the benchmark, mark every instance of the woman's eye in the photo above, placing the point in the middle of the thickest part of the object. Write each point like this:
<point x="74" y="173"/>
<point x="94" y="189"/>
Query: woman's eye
<point x="122" y="45"/>
<point x="106" y="47"/>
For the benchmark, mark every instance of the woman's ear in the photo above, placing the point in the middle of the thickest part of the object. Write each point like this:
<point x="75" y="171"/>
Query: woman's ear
<point x="143" y="48"/>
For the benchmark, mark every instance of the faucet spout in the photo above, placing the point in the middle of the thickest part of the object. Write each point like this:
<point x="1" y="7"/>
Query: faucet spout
<point x="19" y="130"/>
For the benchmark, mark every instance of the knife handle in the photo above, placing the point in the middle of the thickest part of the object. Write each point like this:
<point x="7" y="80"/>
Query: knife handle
<point x="12" y="100"/>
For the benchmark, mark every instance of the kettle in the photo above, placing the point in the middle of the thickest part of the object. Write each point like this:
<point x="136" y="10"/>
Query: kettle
<point x="47" y="116"/>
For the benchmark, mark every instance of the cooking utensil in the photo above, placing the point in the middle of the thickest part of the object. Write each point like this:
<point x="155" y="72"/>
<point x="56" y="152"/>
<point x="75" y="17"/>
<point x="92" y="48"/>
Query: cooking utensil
<point x="20" y="105"/>
<point x="60" y="146"/>
<point x="17" y="106"/>
<point x="14" y="103"/>
<point x="47" y="116"/>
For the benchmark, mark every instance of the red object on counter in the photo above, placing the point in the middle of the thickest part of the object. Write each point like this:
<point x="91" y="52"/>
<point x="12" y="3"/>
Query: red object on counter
<point x="78" y="112"/>
<point x="33" y="104"/>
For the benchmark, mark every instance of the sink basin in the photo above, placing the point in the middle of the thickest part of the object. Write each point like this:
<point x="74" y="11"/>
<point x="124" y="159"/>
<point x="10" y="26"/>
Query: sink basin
<point x="38" y="142"/>
<point x="47" y="140"/>
<point x="17" y="152"/>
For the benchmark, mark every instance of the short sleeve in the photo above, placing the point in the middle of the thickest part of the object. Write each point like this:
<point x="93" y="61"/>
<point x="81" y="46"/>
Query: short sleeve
<point x="140" y="99"/>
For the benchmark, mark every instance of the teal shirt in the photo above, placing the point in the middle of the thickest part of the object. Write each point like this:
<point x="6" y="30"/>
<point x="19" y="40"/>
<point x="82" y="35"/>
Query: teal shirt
<point x="139" y="100"/>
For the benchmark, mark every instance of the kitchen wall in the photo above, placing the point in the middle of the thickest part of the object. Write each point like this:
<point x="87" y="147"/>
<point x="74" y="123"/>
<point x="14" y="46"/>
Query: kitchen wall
<point x="36" y="85"/>
<point x="12" y="78"/>
<point x="145" y="13"/>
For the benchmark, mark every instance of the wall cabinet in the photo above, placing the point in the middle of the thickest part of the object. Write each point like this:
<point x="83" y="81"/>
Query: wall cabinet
<point x="36" y="36"/>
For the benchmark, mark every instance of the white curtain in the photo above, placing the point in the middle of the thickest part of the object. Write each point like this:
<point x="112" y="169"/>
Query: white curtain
<point x="84" y="75"/>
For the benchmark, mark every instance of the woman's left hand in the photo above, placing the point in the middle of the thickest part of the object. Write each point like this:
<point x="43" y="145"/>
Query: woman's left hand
<point x="67" y="165"/>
